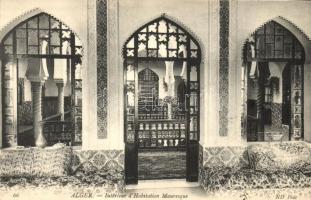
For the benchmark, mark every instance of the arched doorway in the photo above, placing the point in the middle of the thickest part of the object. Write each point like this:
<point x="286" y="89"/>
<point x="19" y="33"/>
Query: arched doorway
<point x="273" y="74"/>
<point x="162" y="88"/>
<point x="41" y="83"/>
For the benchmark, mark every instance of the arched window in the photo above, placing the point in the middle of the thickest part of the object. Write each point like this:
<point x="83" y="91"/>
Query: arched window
<point x="162" y="39"/>
<point x="273" y="41"/>
<point x="273" y="79"/>
<point x="148" y="87"/>
<point x="41" y="83"/>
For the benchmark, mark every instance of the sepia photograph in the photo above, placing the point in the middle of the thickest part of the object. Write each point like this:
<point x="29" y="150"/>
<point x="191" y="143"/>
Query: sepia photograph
<point x="155" y="99"/>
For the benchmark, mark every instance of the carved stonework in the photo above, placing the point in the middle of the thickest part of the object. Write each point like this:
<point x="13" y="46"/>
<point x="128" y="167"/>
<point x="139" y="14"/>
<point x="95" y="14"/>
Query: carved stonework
<point x="223" y="66"/>
<point x="101" y="18"/>
<point x="276" y="115"/>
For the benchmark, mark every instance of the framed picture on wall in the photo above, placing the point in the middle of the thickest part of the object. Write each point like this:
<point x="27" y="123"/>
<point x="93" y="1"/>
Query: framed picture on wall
<point x="297" y="121"/>
<point x="297" y="133"/>
<point x="297" y="77"/>
<point x="297" y="97"/>
<point x="297" y="109"/>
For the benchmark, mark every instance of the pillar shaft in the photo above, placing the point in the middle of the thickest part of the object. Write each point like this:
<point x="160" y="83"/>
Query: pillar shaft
<point x="36" y="89"/>
<point x="61" y="107"/>
<point x="9" y="106"/>
<point x="260" y="102"/>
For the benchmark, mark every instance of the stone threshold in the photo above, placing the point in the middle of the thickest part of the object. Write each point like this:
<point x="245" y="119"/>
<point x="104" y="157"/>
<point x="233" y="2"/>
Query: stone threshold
<point x="163" y="183"/>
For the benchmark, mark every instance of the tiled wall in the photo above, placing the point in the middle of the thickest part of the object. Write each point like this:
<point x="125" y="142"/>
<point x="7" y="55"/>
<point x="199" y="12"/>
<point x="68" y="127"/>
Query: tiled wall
<point x="55" y="161"/>
<point x="93" y="159"/>
<point x="276" y="115"/>
<point x="220" y="157"/>
<point x="55" y="166"/>
<point x="25" y="115"/>
<point x="34" y="162"/>
<point x="224" y="156"/>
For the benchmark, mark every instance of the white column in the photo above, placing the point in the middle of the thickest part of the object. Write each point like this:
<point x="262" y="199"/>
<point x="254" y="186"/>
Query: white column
<point x="61" y="107"/>
<point x="37" y="74"/>
<point x="10" y="107"/>
<point x="36" y="90"/>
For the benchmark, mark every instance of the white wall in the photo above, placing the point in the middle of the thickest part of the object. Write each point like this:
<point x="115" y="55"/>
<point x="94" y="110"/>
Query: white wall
<point x="22" y="68"/>
<point x="276" y="70"/>
<point x="124" y="18"/>
<point x="195" y="17"/>
<point x="200" y="17"/>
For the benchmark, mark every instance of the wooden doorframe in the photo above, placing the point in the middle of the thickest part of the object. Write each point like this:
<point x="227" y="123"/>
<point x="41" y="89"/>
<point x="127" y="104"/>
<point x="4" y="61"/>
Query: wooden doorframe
<point x="192" y="146"/>
<point x="187" y="50"/>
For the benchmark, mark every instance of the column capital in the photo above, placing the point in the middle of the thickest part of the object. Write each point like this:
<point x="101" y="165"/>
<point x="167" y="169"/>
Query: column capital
<point x="59" y="80"/>
<point x="36" y="84"/>
<point x="33" y="80"/>
<point x="60" y="84"/>
<point x="36" y="72"/>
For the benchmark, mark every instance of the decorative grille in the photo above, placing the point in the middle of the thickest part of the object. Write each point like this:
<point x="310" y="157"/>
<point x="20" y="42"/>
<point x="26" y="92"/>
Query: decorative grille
<point x="162" y="86"/>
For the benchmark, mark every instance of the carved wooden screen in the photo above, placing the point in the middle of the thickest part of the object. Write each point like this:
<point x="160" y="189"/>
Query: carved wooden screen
<point x="161" y="41"/>
<point x="170" y="58"/>
<point x="148" y="87"/>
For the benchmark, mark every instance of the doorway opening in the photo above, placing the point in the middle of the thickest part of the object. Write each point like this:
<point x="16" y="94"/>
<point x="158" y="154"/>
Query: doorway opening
<point x="273" y="79"/>
<point x="161" y="76"/>
<point x="41" y="64"/>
